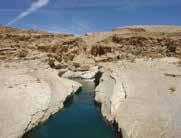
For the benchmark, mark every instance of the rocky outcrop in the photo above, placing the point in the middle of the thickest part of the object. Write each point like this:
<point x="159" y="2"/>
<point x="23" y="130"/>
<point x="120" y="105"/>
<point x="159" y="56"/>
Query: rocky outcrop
<point x="122" y="43"/>
<point x="154" y="30"/>
<point x="87" y="75"/>
<point x="142" y="98"/>
<point x="133" y="47"/>
<point x="19" y="43"/>
<point x="30" y="93"/>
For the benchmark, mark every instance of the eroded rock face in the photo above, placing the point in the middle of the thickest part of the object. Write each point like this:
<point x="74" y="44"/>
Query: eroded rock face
<point x="136" y="47"/>
<point x="87" y="75"/>
<point x="142" y="97"/>
<point x="21" y="44"/>
<point x="30" y="93"/>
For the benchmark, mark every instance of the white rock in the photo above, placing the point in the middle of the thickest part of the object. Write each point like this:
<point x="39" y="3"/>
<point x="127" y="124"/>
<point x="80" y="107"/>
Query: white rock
<point x="141" y="99"/>
<point x="90" y="75"/>
<point x="29" y="95"/>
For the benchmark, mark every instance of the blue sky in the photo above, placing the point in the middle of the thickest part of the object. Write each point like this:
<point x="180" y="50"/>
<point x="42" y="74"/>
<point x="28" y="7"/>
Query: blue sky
<point x="80" y="16"/>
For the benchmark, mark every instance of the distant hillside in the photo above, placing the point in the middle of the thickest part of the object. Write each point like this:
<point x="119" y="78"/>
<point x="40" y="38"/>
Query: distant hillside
<point x="129" y="42"/>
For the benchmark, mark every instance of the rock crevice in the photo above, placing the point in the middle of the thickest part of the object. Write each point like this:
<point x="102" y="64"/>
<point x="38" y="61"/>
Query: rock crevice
<point x="140" y="99"/>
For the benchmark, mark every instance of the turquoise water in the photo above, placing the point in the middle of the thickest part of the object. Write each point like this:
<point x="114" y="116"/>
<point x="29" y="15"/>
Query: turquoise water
<point x="80" y="118"/>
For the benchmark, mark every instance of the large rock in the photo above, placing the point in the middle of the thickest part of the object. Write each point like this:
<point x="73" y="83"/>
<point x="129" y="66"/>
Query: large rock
<point x="142" y="97"/>
<point x="87" y="75"/>
<point x="29" y="95"/>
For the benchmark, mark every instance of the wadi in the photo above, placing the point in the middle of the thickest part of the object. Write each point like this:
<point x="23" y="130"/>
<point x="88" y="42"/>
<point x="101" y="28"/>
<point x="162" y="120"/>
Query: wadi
<point x="136" y="70"/>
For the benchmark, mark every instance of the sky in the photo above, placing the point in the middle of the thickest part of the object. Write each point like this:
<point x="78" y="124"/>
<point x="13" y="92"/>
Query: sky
<point x="81" y="16"/>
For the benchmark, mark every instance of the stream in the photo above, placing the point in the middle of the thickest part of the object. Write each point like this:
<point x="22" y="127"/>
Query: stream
<point x="80" y="118"/>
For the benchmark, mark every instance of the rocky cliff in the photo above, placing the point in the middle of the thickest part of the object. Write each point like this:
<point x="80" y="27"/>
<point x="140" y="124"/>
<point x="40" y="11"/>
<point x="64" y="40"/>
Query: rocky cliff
<point x="139" y="89"/>
<point x="142" y="97"/>
<point x="30" y="92"/>
<point x="123" y="43"/>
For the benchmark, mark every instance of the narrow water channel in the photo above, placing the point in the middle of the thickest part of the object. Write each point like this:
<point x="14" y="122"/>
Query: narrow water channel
<point x="80" y="118"/>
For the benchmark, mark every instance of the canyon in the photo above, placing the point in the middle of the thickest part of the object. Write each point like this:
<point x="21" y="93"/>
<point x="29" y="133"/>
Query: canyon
<point x="138" y="87"/>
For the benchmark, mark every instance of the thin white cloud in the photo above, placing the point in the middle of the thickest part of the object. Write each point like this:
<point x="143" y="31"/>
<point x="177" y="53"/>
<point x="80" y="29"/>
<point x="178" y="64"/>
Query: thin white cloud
<point x="34" y="6"/>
